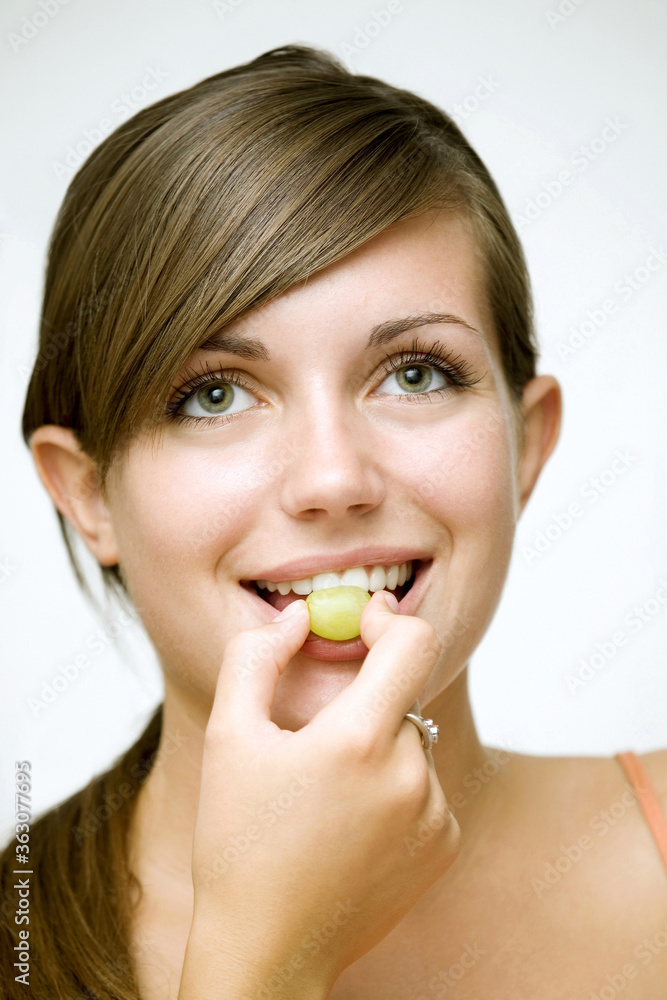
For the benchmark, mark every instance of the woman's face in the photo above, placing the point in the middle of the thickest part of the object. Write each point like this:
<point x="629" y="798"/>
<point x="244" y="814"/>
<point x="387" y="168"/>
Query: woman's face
<point x="326" y="449"/>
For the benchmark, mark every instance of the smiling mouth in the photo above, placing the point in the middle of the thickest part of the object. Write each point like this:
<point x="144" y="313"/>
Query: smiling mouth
<point x="280" y="601"/>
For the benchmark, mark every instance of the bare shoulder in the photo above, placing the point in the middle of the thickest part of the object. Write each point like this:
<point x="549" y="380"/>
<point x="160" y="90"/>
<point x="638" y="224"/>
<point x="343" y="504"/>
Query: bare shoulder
<point x="586" y="781"/>
<point x="594" y="867"/>
<point x="591" y="801"/>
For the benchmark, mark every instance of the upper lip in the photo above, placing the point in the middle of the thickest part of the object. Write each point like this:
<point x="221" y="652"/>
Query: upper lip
<point x="337" y="562"/>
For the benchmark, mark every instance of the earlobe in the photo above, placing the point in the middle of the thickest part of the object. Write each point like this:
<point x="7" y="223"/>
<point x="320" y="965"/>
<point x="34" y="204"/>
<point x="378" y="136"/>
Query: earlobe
<point x="71" y="478"/>
<point x="542" y="408"/>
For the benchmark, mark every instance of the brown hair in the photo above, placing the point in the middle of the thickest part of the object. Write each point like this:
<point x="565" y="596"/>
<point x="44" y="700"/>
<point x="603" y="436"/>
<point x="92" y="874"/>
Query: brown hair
<point x="198" y="209"/>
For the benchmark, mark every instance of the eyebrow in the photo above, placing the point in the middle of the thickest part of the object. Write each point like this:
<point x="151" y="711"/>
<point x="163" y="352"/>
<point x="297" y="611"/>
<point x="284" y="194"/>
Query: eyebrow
<point x="231" y="342"/>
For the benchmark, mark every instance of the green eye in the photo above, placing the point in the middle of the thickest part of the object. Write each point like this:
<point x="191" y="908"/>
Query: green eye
<point x="335" y="612"/>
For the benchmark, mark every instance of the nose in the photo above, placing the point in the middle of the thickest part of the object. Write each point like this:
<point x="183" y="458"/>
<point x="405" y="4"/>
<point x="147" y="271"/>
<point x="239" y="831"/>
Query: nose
<point x="336" y="472"/>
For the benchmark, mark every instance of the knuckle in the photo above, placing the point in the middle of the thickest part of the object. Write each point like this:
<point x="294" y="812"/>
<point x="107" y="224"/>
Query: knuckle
<point x="441" y="813"/>
<point x="359" y="745"/>
<point x="450" y="831"/>
<point x="432" y="643"/>
<point x="454" y="829"/>
<point x="412" y="783"/>
<point x="425" y="639"/>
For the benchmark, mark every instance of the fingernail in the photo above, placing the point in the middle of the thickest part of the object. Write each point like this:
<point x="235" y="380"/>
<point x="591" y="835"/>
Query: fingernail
<point x="391" y="601"/>
<point x="295" y="608"/>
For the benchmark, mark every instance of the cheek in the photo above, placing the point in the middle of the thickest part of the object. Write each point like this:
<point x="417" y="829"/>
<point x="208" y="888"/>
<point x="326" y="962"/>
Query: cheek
<point x="170" y="511"/>
<point x="180" y="512"/>
<point x="462" y="475"/>
<point x="470" y="492"/>
<point x="176" y="516"/>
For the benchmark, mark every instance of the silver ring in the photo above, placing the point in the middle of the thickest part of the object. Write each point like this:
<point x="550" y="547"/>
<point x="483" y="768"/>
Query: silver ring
<point x="427" y="729"/>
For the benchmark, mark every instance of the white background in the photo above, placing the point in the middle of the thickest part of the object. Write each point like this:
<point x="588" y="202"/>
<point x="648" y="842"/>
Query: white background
<point x="552" y="81"/>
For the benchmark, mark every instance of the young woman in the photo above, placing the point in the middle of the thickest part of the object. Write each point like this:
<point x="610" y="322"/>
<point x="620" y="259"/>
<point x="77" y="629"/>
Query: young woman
<point x="287" y="333"/>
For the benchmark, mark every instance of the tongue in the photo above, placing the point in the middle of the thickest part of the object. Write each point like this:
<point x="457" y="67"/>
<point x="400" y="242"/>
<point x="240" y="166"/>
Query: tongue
<point x="280" y="601"/>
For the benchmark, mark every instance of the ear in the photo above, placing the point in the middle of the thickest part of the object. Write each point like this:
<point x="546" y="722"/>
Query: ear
<point x="542" y="408"/>
<point x="71" y="478"/>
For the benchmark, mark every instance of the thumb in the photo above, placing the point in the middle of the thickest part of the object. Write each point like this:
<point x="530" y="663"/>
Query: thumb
<point x="253" y="662"/>
<point x="377" y="616"/>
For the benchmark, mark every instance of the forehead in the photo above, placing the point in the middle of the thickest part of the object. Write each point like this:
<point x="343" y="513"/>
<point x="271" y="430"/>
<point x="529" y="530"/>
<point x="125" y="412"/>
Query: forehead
<point x="428" y="264"/>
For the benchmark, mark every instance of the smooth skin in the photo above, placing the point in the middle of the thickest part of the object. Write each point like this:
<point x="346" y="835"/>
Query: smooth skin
<point x="448" y="473"/>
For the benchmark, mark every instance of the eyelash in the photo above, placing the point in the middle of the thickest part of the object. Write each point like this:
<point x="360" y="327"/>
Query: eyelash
<point x="458" y="372"/>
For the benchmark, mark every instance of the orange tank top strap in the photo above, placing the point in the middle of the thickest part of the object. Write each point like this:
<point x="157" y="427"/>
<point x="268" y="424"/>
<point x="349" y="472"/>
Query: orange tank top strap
<point x="647" y="799"/>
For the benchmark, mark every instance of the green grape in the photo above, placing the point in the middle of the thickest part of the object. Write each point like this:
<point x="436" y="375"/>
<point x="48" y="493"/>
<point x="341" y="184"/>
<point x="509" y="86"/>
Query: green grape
<point x="335" y="612"/>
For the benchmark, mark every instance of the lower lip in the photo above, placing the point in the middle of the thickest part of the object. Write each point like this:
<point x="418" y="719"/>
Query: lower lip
<point x="349" y="649"/>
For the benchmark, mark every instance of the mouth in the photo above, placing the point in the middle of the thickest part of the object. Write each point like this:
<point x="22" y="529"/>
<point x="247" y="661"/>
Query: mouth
<point x="369" y="578"/>
<point x="408" y="594"/>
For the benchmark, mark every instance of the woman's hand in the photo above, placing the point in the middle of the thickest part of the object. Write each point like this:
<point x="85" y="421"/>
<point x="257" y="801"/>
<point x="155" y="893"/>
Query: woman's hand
<point x="303" y="855"/>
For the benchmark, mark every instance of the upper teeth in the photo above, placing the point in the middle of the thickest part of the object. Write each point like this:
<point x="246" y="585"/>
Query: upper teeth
<point x="377" y="579"/>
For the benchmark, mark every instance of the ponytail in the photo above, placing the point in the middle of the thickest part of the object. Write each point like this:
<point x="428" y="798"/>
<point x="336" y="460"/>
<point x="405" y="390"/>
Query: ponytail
<point x="82" y="892"/>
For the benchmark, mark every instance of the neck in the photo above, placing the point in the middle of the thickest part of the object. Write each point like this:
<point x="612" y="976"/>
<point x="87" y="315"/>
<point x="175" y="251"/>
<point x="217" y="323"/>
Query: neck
<point x="474" y="778"/>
